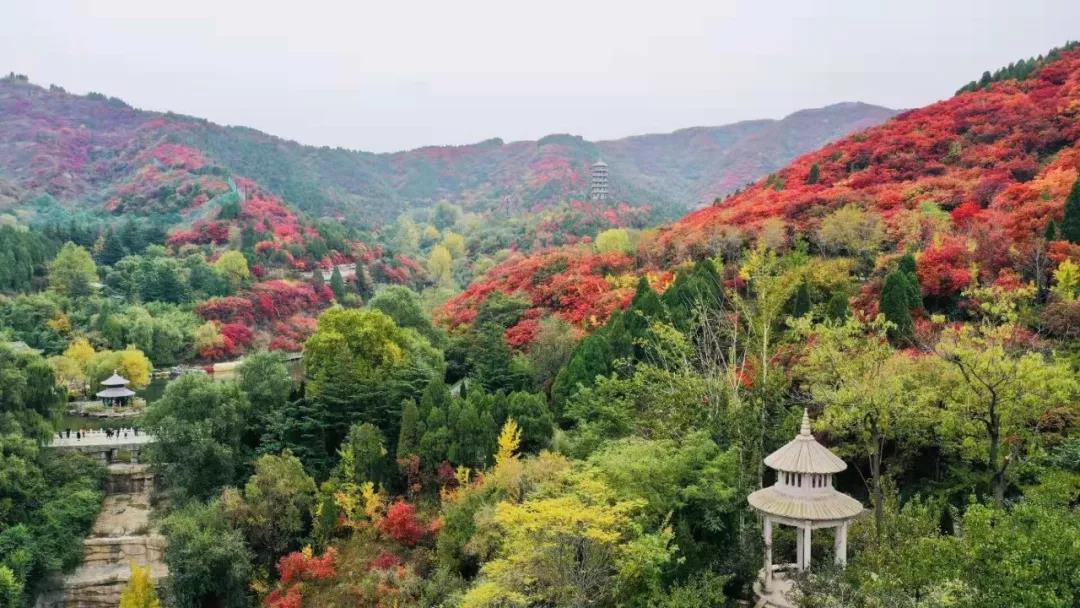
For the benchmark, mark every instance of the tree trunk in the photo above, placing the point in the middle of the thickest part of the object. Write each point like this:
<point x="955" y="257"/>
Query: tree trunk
<point x="997" y="468"/>
<point x="877" y="492"/>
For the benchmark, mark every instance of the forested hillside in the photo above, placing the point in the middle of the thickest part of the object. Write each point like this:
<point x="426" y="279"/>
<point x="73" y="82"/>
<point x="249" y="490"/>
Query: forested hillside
<point x="974" y="187"/>
<point x="96" y="149"/>
<point x="582" y="425"/>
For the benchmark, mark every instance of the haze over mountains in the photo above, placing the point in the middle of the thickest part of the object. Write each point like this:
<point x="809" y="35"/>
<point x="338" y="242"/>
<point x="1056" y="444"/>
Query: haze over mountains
<point x="98" y="150"/>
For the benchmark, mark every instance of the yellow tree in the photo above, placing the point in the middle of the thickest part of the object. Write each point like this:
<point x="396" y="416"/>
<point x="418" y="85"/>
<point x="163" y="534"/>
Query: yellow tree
<point x="579" y="547"/>
<point x="233" y="266"/>
<point x="1066" y="280"/>
<point x="440" y="264"/>
<point x="139" y="591"/>
<point x="614" y="239"/>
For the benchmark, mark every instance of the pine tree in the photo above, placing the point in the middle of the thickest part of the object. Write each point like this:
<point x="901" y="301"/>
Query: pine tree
<point x="409" y="435"/>
<point x="800" y="305"/>
<point x="112" y="250"/>
<point x="337" y="285"/>
<point x="815" y="174"/>
<point x="1051" y="233"/>
<point x="365" y="287"/>
<point x="895" y="305"/>
<point x="837" y="308"/>
<point x="1070" y="224"/>
<point x="908" y="267"/>
<point x="317" y="280"/>
<point x="591" y="358"/>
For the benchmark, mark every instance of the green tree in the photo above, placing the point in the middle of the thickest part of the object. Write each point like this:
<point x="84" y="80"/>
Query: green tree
<point x="199" y="425"/>
<point x="896" y="307"/>
<point x="998" y="393"/>
<point x="409" y="435"/>
<point x="1051" y="232"/>
<point x="1070" y="223"/>
<point x="209" y="563"/>
<point x="814" y="175"/>
<point x="800" y="303"/>
<point x="72" y="272"/>
<point x="690" y="484"/>
<point x="531" y="413"/>
<point x="337" y="285"/>
<point x="233" y="266"/>
<point x="550" y="351"/>
<point x="363" y="454"/>
<point x="274" y="509"/>
<point x="403" y="305"/>
<point x="614" y="239"/>
<point x="872" y="395"/>
<point x="266" y="381"/>
<point x="360" y="365"/>
<point x="591" y="358"/>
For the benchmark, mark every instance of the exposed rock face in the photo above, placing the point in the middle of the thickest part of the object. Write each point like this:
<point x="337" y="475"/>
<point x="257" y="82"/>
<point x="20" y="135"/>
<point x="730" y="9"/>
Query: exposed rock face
<point x="122" y="534"/>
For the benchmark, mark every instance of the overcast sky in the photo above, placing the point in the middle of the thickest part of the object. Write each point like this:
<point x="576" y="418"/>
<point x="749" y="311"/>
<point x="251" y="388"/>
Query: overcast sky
<point x="394" y="74"/>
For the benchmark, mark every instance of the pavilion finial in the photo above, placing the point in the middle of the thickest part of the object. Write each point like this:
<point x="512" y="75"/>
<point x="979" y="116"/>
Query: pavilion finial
<point x="805" y="430"/>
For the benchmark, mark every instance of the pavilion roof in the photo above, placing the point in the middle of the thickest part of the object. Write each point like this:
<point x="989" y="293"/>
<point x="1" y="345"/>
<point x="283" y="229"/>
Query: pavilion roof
<point x="816" y="507"/>
<point x="115" y="393"/>
<point x="805" y="455"/>
<point x="115" y="380"/>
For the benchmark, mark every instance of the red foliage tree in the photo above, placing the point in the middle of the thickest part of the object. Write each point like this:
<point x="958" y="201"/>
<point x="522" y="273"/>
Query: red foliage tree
<point x="402" y="525"/>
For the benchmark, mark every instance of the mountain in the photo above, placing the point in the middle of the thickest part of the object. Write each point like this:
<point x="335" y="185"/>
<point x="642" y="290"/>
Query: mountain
<point x="969" y="185"/>
<point x="105" y="154"/>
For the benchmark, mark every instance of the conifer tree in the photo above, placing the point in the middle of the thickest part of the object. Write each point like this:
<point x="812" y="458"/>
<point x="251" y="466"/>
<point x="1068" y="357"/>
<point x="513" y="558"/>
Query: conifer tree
<point x="337" y="285"/>
<point x="409" y="435"/>
<point x="1070" y="224"/>
<point x="800" y="305"/>
<point x="896" y="306"/>
<point x="1051" y="233"/>
<point x="907" y="266"/>
<point x="837" y="308"/>
<point x="815" y="174"/>
<point x="365" y="287"/>
<point x="591" y="358"/>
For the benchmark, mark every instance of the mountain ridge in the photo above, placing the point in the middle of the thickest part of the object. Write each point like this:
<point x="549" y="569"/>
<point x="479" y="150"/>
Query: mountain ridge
<point x="369" y="189"/>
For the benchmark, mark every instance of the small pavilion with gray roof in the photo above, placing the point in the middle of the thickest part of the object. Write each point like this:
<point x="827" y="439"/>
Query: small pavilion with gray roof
<point x="116" y="392"/>
<point x="804" y="498"/>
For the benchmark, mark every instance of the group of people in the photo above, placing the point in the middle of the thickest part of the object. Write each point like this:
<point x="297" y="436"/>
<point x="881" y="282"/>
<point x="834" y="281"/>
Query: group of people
<point x="108" y="433"/>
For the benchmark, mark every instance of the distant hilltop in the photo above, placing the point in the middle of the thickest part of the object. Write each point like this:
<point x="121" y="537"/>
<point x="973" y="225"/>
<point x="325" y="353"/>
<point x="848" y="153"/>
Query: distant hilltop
<point x="90" y="147"/>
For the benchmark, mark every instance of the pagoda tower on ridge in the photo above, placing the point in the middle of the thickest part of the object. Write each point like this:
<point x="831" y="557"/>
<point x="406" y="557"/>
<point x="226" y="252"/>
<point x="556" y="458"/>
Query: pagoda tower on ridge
<point x="598" y="190"/>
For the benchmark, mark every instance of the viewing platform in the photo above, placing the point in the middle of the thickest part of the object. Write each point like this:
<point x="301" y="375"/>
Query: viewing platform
<point x="102" y="444"/>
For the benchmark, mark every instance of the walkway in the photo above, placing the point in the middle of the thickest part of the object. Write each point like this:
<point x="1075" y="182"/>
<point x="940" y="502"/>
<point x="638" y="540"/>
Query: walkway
<point x="104" y="445"/>
<point x="99" y="438"/>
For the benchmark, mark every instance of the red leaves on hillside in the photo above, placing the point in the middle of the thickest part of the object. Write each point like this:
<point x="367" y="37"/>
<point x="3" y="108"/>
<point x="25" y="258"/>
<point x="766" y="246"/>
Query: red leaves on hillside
<point x="945" y="268"/>
<point x="572" y="282"/>
<point x="994" y="148"/>
<point x="293" y="570"/>
<point x="402" y="525"/>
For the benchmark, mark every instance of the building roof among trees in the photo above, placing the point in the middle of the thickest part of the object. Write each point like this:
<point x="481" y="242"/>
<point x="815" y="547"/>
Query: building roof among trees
<point x="805" y="455"/>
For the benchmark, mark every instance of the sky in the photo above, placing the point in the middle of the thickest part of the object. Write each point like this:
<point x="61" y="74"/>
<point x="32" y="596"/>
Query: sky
<point x="388" y="75"/>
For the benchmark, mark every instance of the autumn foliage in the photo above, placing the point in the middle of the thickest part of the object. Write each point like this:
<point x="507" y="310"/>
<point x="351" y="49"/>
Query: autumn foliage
<point x="402" y="525"/>
<point x="969" y="184"/>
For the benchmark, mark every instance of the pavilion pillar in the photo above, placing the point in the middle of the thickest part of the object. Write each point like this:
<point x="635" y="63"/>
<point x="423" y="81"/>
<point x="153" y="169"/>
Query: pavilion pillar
<point x="800" y="553"/>
<point x="841" y="544"/>
<point x="806" y="546"/>
<point x="767" y="579"/>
